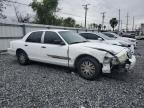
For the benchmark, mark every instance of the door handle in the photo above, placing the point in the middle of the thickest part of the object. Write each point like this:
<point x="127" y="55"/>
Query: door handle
<point x="43" y="47"/>
<point x="25" y="45"/>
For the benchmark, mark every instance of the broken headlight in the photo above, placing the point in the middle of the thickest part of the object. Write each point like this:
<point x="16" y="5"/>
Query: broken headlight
<point x="109" y="58"/>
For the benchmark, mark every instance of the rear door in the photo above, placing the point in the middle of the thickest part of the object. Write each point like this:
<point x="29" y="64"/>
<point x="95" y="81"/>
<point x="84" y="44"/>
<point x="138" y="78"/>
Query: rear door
<point x="53" y="51"/>
<point x="32" y="45"/>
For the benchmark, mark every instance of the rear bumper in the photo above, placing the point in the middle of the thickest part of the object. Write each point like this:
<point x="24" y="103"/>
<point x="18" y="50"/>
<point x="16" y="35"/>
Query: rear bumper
<point x="11" y="51"/>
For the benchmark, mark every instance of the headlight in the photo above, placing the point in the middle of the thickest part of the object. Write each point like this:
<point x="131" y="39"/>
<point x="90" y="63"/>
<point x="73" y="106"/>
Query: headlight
<point x="124" y="44"/>
<point x="111" y="59"/>
<point x="123" y="57"/>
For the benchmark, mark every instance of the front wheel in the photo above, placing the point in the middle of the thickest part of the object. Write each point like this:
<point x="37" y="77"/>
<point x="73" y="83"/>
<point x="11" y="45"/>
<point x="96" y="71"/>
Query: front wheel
<point x="88" y="68"/>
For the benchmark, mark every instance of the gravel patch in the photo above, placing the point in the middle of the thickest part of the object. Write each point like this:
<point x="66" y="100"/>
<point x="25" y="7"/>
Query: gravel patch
<point x="41" y="85"/>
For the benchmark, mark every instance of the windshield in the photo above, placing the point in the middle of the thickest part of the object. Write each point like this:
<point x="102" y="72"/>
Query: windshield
<point x="104" y="36"/>
<point x="72" y="37"/>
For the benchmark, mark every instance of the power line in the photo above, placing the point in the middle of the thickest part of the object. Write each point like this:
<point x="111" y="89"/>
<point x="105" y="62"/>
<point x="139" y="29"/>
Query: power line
<point x="18" y="3"/>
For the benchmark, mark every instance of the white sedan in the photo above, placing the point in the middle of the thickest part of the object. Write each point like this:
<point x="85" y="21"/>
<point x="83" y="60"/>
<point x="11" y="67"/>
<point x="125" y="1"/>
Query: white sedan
<point x="66" y="48"/>
<point x="117" y="37"/>
<point x="101" y="38"/>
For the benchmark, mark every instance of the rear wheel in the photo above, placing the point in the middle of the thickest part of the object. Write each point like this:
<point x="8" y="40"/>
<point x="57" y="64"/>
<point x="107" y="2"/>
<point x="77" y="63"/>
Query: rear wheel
<point x="88" y="68"/>
<point x="22" y="58"/>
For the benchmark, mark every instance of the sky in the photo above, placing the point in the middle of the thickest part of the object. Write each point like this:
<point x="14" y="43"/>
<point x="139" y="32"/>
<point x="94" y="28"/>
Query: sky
<point x="74" y="8"/>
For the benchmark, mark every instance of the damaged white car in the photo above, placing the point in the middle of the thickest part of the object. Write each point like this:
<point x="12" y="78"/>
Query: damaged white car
<point x="66" y="48"/>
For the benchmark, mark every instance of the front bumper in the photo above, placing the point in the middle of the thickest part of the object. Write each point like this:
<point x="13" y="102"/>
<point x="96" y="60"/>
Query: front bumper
<point x="128" y="66"/>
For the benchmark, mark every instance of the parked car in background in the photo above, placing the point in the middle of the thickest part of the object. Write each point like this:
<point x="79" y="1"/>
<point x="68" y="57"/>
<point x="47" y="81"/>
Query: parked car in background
<point x="67" y="48"/>
<point x="140" y="37"/>
<point x="117" y="37"/>
<point x="128" y="35"/>
<point x="101" y="38"/>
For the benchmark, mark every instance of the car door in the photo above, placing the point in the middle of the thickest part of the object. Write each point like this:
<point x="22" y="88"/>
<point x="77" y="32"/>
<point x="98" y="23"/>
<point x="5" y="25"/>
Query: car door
<point x="32" y="45"/>
<point x="54" y="50"/>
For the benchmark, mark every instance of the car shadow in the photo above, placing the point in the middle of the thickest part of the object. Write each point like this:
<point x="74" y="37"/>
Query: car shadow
<point x="115" y="75"/>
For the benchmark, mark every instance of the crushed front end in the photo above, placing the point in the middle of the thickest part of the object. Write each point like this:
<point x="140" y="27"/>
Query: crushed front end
<point x="125" y="60"/>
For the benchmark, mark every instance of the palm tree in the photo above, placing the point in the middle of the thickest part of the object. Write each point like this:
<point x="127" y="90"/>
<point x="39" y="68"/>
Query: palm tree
<point x="113" y="23"/>
<point x="99" y="27"/>
<point x="104" y="27"/>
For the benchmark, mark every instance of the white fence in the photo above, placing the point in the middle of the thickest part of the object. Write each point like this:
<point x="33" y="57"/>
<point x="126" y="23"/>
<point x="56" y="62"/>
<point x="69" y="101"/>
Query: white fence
<point x="9" y="32"/>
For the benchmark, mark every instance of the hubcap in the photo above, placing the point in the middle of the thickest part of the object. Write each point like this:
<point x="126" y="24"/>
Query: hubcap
<point x="87" y="68"/>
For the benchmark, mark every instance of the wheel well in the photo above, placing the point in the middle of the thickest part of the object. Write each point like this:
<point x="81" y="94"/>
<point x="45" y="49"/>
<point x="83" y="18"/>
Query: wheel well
<point x="85" y="55"/>
<point x="19" y="50"/>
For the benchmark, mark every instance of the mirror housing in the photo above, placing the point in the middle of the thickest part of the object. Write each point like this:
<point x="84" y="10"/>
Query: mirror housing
<point x="59" y="42"/>
<point x="100" y="39"/>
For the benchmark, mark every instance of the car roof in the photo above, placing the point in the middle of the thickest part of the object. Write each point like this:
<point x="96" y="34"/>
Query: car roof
<point x="54" y="30"/>
<point x="89" y="32"/>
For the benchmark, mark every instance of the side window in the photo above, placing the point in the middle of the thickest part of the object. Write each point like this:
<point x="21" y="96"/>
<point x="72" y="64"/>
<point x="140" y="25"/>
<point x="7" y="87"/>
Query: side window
<point x="35" y="37"/>
<point x="90" y="36"/>
<point x="109" y="35"/>
<point x="51" y="38"/>
<point x="85" y="35"/>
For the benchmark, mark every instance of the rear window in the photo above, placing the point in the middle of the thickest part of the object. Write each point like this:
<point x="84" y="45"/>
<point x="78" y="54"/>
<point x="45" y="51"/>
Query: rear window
<point x="35" y="37"/>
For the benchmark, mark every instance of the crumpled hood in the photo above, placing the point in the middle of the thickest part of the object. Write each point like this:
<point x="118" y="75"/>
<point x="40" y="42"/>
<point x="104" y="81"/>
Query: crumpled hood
<point x="112" y="48"/>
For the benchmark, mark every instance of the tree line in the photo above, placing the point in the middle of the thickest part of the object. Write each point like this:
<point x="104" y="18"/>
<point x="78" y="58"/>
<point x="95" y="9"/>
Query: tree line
<point x="46" y="14"/>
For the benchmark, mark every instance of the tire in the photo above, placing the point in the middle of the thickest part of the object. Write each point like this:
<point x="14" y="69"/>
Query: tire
<point x="88" y="68"/>
<point x="22" y="58"/>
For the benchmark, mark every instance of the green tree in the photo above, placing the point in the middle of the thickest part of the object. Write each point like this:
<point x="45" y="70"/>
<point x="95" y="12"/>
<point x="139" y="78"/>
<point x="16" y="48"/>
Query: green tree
<point x="69" y="22"/>
<point x="45" y="11"/>
<point x="2" y="6"/>
<point x="113" y="23"/>
<point x="95" y="25"/>
<point x="59" y="21"/>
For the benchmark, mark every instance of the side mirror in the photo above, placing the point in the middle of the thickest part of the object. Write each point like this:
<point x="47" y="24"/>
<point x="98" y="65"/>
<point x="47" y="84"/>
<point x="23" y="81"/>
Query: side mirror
<point x="100" y="39"/>
<point x="59" y="42"/>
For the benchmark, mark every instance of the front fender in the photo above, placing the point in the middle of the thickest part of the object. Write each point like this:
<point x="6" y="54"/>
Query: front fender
<point x="97" y="54"/>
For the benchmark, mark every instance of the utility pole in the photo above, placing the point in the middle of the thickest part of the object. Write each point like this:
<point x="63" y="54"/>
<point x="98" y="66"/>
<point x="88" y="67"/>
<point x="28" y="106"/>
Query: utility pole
<point x="127" y="22"/>
<point x="121" y="25"/>
<point x="103" y="18"/>
<point x="86" y="9"/>
<point x="133" y="23"/>
<point x="119" y="20"/>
